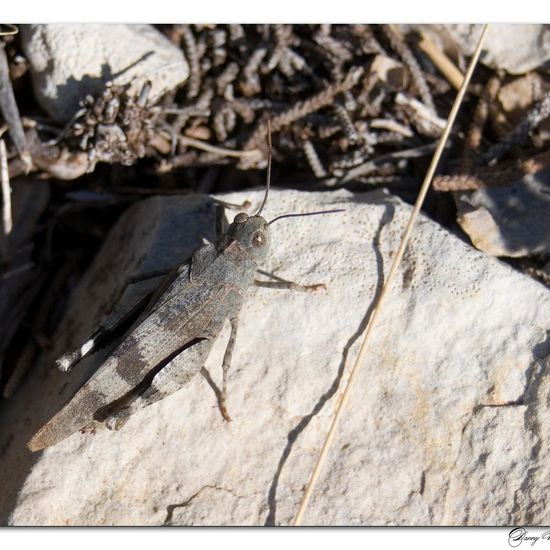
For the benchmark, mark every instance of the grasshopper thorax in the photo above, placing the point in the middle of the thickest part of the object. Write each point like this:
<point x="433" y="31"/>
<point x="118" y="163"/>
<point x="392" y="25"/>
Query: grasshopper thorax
<point x="252" y="233"/>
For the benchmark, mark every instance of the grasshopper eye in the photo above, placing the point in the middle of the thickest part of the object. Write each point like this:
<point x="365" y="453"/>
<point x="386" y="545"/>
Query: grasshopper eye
<point x="241" y="218"/>
<point x="258" y="239"/>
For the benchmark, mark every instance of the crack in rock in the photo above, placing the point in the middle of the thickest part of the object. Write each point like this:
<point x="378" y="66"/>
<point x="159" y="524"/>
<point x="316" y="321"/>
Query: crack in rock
<point x="171" y="507"/>
<point x="333" y="389"/>
<point x="516" y="403"/>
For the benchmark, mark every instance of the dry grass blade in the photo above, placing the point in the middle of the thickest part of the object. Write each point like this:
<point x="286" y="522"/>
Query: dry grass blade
<point x="221" y="151"/>
<point x="447" y="68"/>
<point x="387" y="284"/>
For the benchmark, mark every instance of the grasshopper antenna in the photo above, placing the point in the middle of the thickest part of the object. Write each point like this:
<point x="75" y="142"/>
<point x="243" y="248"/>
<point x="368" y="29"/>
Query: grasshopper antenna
<point x="268" y="182"/>
<point x="306" y="214"/>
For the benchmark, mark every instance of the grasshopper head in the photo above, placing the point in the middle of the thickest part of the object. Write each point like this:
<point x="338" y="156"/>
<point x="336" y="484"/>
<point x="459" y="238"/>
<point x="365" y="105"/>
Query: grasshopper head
<point x="252" y="233"/>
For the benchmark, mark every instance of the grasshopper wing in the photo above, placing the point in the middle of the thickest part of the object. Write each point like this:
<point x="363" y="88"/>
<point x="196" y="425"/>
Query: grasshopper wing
<point x="182" y="318"/>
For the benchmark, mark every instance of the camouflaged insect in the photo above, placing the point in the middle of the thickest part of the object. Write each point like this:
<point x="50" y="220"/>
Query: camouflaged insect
<point x="176" y="333"/>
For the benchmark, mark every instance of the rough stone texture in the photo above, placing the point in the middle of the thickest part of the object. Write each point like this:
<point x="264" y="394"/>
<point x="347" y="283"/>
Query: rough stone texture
<point x="516" y="48"/>
<point x="509" y="220"/>
<point x="448" y="422"/>
<point x="68" y="61"/>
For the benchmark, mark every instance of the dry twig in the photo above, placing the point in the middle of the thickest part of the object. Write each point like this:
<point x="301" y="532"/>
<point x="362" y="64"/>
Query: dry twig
<point x="399" y="45"/>
<point x="303" y="108"/>
<point x="447" y="68"/>
<point x="499" y="175"/>
<point x="313" y="160"/>
<point x="7" y="221"/>
<point x="481" y="114"/>
<point x="9" y="109"/>
<point x="190" y="46"/>
<point x="518" y="136"/>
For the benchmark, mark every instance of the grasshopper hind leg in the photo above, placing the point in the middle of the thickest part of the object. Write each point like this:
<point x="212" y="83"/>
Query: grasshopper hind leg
<point x="169" y="379"/>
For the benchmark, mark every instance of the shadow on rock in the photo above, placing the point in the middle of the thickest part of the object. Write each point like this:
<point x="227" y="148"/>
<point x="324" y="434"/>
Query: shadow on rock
<point x="331" y="391"/>
<point x="156" y="234"/>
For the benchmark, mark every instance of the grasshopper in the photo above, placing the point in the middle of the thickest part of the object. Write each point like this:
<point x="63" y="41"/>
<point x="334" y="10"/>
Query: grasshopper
<point x="175" y="333"/>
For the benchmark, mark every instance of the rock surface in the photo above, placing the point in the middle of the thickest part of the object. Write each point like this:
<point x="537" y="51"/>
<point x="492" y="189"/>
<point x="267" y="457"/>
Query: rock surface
<point x="68" y="61"/>
<point x="509" y="220"/>
<point x="448" y="422"/>
<point x="515" y="48"/>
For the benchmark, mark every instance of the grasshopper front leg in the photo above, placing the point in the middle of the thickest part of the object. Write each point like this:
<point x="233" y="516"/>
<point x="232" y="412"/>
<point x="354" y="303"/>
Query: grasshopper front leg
<point x="226" y="365"/>
<point x="169" y="379"/>
<point x="279" y="282"/>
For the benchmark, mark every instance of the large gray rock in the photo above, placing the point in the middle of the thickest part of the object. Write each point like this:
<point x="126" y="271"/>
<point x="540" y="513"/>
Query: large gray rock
<point x="448" y="422"/>
<point x="515" y="48"/>
<point x="68" y="61"/>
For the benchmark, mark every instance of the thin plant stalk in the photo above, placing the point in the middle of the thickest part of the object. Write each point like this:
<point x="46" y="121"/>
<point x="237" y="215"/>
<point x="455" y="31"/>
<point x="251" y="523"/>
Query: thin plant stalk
<point x="387" y="285"/>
